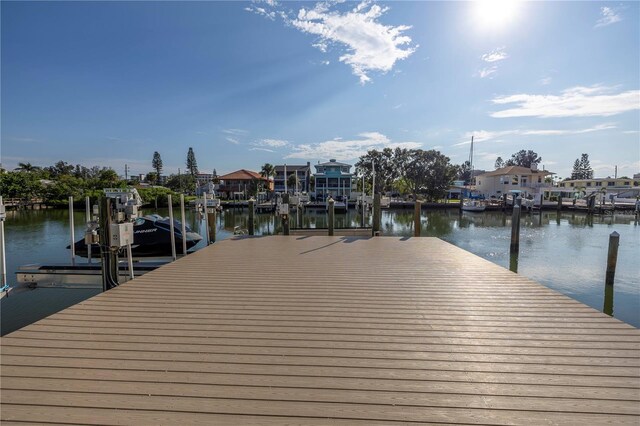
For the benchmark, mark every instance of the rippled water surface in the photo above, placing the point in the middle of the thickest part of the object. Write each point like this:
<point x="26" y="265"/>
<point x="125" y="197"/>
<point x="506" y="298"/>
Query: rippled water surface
<point x="566" y="252"/>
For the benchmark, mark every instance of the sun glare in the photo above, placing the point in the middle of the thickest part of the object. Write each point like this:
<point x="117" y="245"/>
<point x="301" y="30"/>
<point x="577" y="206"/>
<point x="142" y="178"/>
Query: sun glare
<point x="495" y="14"/>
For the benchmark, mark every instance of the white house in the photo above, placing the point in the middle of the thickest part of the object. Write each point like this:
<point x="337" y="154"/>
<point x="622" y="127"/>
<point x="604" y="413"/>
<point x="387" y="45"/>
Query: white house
<point x="529" y="181"/>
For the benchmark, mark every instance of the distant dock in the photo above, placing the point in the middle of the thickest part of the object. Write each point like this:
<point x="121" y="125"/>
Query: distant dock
<point x="324" y="330"/>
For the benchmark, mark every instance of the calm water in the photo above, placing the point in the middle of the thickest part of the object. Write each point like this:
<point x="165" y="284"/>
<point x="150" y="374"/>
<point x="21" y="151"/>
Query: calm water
<point x="566" y="252"/>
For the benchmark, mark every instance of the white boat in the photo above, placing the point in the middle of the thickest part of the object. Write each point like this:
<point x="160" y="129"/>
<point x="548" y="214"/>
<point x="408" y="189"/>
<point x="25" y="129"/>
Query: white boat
<point x="472" y="205"/>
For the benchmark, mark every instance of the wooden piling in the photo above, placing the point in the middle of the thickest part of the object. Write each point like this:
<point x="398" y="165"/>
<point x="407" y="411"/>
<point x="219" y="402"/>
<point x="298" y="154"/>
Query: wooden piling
<point x="171" y="225"/>
<point x="72" y="231"/>
<point x="417" y="216"/>
<point x="285" y="217"/>
<point x="332" y="215"/>
<point x="252" y="214"/>
<point x="375" y="229"/>
<point x="559" y="202"/>
<point x="211" y="220"/>
<point x="612" y="258"/>
<point x="184" y="226"/>
<point x="515" y="229"/>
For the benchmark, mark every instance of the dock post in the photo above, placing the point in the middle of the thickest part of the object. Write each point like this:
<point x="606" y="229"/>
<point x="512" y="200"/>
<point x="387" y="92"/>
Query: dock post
<point x="173" y="235"/>
<point x="87" y="207"/>
<point x="332" y="216"/>
<point x="3" y="258"/>
<point x="285" y="217"/>
<point x="72" y="231"/>
<point x="212" y="219"/>
<point x="376" y="215"/>
<point x="515" y="229"/>
<point x="299" y="216"/>
<point x="206" y="218"/>
<point x="252" y="214"/>
<point x="612" y="258"/>
<point x="559" y="202"/>
<point x="417" y="214"/>
<point x="184" y="226"/>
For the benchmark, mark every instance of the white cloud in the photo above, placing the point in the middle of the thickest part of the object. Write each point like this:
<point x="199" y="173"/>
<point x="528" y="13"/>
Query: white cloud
<point x="261" y="149"/>
<point x="486" y="135"/>
<point x="271" y="143"/>
<point x="573" y="102"/>
<point x="545" y="81"/>
<point x="631" y="132"/>
<point x="496" y="55"/>
<point x="232" y="140"/>
<point x="369" y="45"/>
<point x="609" y="16"/>
<point x="486" y="72"/>
<point x="348" y="149"/>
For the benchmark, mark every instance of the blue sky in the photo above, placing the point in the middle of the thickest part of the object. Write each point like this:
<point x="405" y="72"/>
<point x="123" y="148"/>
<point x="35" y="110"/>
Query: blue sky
<point x="245" y="83"/>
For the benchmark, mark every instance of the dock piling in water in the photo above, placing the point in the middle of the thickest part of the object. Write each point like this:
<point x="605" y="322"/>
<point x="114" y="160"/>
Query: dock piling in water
<point x="515" y="229"/>
<point x="612" y="258"/>
<point x="252" y="215"/>
<point x="417" y="214"/>
<point x="375" y="229"/>
<point x="184" y="226"/>
<point x="87" y="206"/>
<point x="72" y="232"/>
<point x="332" y="216"/>
<point x="173" y="235"/>
<point x="285" y="217"/>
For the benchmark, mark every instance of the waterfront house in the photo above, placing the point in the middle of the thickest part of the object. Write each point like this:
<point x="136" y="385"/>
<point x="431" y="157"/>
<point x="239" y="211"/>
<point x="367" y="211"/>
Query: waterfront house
<point x="529" y="181"/>
<point x="597" y="184"/>
<point x="302" y="173"/>
<point x="241" y="182"/>
<point x="333" y="178"/>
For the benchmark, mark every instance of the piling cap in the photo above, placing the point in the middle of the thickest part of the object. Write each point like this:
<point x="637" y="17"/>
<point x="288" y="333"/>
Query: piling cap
<point x="614" y="234"/>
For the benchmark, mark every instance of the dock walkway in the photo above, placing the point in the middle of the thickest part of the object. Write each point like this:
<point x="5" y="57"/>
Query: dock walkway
<point x="324" y="330"/>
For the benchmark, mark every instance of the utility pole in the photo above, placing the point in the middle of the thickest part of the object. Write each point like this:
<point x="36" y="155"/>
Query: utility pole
<point x="126" y="172"/>
<point x="616" y="173"/>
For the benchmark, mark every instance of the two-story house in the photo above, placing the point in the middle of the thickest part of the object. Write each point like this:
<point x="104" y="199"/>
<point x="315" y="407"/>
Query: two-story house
<point x="333" y="178"/>
<point x="241" y="183"/>
<point x="302" y="174"/>
<point x="528" y="181"/>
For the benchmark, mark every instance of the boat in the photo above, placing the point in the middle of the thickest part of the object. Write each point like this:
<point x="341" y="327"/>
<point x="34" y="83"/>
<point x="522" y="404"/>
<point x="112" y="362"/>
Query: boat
<point x="472" y="205"/>
<point x="151" y="238"/>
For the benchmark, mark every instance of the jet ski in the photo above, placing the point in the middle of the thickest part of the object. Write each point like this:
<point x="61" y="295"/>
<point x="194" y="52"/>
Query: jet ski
<point x="151" y="238"/>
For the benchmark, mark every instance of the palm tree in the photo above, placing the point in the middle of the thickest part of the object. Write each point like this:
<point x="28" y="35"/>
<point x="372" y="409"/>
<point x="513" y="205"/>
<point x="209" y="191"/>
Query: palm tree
<point x="268" y="171"/>
<point x="27" y="167"/>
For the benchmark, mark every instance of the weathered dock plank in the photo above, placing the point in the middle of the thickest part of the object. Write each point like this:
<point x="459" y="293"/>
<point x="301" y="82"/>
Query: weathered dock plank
<point x="324" y="330"/>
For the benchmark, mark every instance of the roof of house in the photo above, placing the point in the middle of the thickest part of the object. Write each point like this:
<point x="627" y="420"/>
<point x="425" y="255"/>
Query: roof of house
<point x="333" y="162"/>
<point x="242" y="174"/>
<point x="291" y="167"/>
<point x="517" y="170"/>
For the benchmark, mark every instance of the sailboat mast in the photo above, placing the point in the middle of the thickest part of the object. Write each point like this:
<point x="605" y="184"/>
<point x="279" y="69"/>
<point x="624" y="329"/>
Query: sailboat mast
<point x="471" y="162"/>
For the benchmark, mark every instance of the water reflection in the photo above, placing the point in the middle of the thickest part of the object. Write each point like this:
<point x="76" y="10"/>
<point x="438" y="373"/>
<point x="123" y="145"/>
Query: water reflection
<point x="565" y="251"/>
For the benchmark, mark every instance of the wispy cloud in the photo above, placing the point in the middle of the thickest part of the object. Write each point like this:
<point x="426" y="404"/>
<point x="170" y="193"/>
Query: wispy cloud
<point x="487" y="71"/>
<point x="545" y="81"/>
<point x="609" y="16"/>
<point x="255" y="148"/>
<point x="496" y="55"/>
<point x="573" y="102"/>
<point x="342" y="149"/>
<point x="369" y="46"/>
<point x="486" y="135"/>
<point x="232" y="140"/>
<point x="270" y="143"/>
<point x="236" y="132"/>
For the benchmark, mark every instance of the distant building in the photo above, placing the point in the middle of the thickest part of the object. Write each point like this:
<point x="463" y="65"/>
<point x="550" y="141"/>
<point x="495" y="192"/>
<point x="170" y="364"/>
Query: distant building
<point x="597" y="184"/>
<point x="240" y="182"/>
<point x="333" y="178"/>
<point x="528" y="181"/>
<point x="302" y="173"/>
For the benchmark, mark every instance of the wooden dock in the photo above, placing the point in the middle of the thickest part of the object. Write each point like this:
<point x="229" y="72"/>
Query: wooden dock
<point x="324" y="330"/>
